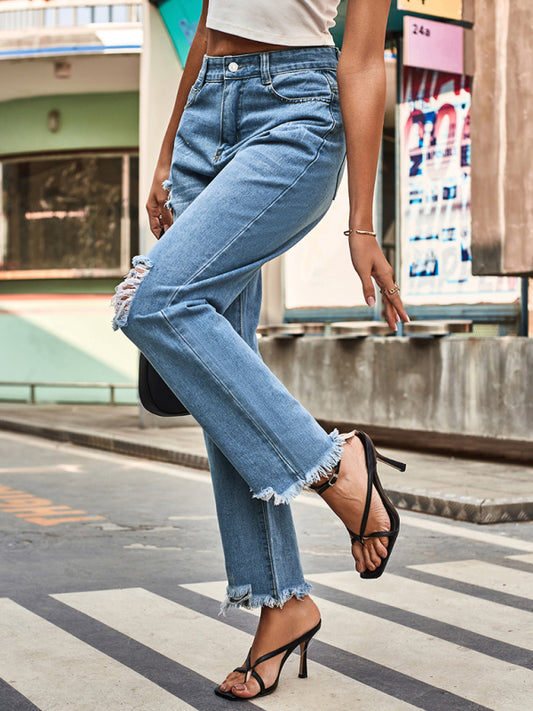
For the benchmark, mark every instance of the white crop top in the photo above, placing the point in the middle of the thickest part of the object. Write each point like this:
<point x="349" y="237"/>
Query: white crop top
<point x="294" y="23"/>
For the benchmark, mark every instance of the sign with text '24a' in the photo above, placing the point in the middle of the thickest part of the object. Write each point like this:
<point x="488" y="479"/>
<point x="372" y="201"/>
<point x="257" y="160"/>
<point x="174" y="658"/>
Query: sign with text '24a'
<point x="451" y="9"/>
<point x="433" y="45"/>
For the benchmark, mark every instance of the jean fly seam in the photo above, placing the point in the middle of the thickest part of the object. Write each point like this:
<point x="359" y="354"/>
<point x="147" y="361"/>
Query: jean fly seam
<point x="257" y="217"/>
<point x="221" y="126"/>
<point x="260" y="429"/>
<point x="240" y="107"/>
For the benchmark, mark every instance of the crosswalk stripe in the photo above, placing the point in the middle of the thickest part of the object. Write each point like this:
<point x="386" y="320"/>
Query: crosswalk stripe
<point x="491" y="619"/>
<point x="55" y="670"/>
<point x="202" y="644"/>
<point x="484" y="575"/>
<point x="526" y="558"/>
<point x="470" y="532"/>
<point x="464" y="672"/>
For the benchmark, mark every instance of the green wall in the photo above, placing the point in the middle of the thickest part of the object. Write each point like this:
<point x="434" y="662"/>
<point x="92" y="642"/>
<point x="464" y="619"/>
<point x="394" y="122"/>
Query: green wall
<point x="63" y="339"/>
<point x="87" y="121"/>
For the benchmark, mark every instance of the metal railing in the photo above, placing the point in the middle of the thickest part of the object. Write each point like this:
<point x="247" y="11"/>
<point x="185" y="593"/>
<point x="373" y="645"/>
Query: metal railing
<point x="49" y="384"/>
<point x="21" y="15"/>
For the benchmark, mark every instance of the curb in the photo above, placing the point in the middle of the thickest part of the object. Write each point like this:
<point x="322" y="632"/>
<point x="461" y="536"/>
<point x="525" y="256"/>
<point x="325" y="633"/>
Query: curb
<point x="469" y="509"/>
<point x="463" y="508"/>
<point x="108" y="443"/>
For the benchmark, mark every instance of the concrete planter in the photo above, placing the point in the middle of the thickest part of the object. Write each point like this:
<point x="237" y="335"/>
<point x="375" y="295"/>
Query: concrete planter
<point x="467" y="387"/>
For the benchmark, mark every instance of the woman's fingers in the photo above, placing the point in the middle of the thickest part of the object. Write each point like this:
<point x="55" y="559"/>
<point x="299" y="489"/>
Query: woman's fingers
<point x="153" y="218"/>
<point x="159" y="215"/>
<point x="394" y="308"/>
<point x="391" y="315"/>
<point x="370" y="263"/>
<point x="395" y="303"/>
<point x="368" y="289"/>
<point x="165" y="218"/>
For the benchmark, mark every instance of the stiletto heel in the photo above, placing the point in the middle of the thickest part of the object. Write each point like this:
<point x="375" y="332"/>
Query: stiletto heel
<point x="303" y="660"/>
<point x="400" y="466"/>
<point x="249" y="668"/>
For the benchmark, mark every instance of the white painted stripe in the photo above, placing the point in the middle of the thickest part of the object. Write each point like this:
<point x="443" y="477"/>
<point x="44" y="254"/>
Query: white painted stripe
<point x="470" y="531"/>
<point x="54" y="670"/>
<point x="212" y="648"/>
<point x="491" y="619"/>
<point x="484" y="575"/>
<point x="461" y="671"/>
<point x="526" y="558"/>
<point x="51" y="469"/>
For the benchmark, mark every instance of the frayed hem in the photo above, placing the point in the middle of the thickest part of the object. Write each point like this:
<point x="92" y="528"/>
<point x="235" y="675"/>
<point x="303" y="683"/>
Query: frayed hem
<point x="125" y="291"/>
<point x="330" y="460"/>
<point x="285" y="497"/>
<point x="311" y="477"/>
<point x="242" y="596"/>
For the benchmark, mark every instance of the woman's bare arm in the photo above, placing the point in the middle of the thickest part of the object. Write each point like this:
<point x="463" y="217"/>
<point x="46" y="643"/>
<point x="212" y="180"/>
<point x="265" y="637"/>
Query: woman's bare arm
<point x="158" y="196"/>
<point x="361" y="77"/>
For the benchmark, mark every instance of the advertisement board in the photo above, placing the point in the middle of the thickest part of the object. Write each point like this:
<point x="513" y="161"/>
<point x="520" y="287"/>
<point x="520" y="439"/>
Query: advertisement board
<point x="434" y="171"/>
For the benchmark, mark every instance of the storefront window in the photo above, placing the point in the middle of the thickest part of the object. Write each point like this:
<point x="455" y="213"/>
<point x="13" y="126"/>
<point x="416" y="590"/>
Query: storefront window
<point x="68" y="215"/>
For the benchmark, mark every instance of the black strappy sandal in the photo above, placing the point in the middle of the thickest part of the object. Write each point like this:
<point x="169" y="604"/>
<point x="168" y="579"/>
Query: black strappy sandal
<point x="371" y="457"/>
<point x="249" y="669"/>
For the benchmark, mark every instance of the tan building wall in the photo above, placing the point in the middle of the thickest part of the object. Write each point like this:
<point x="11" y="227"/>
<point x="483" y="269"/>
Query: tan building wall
<point x="502" y="138"/>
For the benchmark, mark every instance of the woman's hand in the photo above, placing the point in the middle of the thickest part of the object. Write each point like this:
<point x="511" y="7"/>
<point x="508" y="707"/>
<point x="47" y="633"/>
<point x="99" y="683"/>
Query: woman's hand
<point x="369" y="262"/>
<point x="159" y="216"/>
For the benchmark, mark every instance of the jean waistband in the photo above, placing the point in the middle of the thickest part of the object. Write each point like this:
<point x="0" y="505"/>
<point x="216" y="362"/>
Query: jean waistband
<point x="264" y="64"/>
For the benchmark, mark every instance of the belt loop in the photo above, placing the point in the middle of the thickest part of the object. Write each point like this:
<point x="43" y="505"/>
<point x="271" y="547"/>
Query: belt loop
<point x="265" y="69"/>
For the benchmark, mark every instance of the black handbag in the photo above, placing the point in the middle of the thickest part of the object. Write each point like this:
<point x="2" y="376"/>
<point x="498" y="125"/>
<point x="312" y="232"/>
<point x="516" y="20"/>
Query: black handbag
<point x="154" y="393"/>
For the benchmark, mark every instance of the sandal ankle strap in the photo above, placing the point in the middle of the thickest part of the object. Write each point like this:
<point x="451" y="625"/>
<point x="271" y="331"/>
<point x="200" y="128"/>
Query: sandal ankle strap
<point x="320" y="489"/>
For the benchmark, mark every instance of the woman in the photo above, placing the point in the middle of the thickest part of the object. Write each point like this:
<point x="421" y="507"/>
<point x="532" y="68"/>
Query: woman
<point x="255" y="149"/>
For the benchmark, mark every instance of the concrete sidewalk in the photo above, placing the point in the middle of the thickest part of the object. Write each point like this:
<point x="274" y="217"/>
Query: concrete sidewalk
<point x="462" y="489"/>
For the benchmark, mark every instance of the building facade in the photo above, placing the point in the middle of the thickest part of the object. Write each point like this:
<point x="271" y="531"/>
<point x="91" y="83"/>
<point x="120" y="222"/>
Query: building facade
<point x="86" y="90"/>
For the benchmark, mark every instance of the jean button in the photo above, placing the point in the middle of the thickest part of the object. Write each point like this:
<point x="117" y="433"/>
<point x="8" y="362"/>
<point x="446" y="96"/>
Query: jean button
<point x="233" y="66"/>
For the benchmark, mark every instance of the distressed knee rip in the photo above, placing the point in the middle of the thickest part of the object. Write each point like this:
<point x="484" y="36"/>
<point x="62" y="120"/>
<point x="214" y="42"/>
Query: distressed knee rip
<point x="125" y="291"/>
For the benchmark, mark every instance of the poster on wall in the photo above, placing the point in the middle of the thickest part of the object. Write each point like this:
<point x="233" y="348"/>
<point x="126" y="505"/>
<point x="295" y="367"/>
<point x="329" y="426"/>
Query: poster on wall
<point x="435" y="224"/>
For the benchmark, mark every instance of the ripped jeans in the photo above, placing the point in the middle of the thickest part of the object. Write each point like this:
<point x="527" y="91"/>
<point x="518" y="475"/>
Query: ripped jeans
<point x="257" y="159"/>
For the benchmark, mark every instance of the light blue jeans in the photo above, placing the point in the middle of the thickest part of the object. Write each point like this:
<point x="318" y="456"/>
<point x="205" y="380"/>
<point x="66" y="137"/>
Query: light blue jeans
<point x="257" y="159"/>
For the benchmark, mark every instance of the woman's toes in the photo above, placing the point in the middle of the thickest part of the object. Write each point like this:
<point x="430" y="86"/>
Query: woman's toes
<point x="359" y="555"/>
<point x="231" y="680"/>
<point x="381" y="547"/>
<point x="244" y="691"/>
<point x="376" y="559"/>
<point x="368" y="552"/>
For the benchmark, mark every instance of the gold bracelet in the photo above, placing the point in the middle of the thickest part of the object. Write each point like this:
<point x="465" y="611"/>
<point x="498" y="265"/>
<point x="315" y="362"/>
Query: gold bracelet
<point x="359" y="232"/>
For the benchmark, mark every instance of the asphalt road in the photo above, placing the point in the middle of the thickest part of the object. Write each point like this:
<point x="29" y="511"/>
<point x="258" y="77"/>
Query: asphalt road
<point x="111" y="574"/>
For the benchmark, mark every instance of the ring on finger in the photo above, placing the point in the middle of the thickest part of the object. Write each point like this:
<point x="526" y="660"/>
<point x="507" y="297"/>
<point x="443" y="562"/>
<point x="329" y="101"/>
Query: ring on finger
<point x="390" y="292"/>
